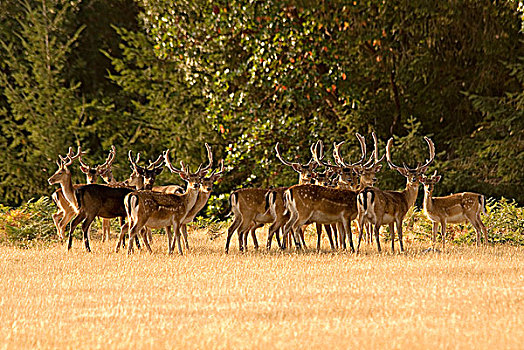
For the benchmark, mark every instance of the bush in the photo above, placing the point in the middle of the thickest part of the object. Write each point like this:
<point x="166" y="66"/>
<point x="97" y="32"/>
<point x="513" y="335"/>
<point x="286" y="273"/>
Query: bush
<point x="28" y="223"/>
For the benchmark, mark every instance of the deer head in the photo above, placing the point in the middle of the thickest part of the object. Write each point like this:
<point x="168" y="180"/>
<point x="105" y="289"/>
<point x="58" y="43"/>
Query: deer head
<point x="145" y="175"/>
<point x="305" y="171"/>
<point x="63" y="173"/>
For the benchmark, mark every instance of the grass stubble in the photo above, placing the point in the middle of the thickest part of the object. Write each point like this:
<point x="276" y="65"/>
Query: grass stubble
<point x="463" y="298"/>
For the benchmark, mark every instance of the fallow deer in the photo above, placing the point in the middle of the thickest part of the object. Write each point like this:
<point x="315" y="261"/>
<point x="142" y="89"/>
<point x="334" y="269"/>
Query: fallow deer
<point x="390" y="207"/>
<point x="249" y="204"/>
<point x="64" y="197"/>
<point x="158" y="210"/>
<point x="453" y="209"/>
<point x="106" y="201"/>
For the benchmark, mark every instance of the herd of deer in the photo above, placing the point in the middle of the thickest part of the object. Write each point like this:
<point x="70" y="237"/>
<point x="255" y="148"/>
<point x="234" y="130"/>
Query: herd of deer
<point x="331" y="199"/>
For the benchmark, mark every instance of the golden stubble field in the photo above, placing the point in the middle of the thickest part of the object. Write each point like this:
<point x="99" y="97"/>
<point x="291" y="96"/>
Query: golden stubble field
<point x="462" y="299"/>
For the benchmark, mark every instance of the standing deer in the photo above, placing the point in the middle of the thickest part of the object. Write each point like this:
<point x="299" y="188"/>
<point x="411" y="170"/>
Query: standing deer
<point x="195" y="180"/>
<point x="249" y="204"/>
<point x="452" y="209"/>
<point x="390" y="207"/>
<point x="64" y="196"/>
<point x="106" y="202"/>
<point x="159" y="210"/>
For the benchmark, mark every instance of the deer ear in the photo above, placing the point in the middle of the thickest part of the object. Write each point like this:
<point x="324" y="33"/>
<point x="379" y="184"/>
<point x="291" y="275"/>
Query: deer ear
<point x="158" y="170"/>
<point x="437" y="178"/>
<point x="84" y="169"/>
<point x="378" y="167"/>
<point x="297" y="167"/>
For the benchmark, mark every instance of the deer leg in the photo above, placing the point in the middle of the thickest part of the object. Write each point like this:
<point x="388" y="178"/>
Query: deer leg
<point x="56" y="221"/>
<point x="78" y="219"/>
<point x="245" y="236"/>
<point x="254" y="236"/>
<point x="176" y="229"/>
<point x="145" y="232"/>
<point x="170" y="242"/>
<point x="369" y="233"/>
<point x="231" y="230"/>
<point x="335" y="235"/>
<point x="68" y="216"/>
<point x="184" y="234"/>
<point x="329" y="233"/>
<point x="302" y="237"/>
<point x="377" y="238"/>
<point x="275" y="226"/>
<point x="443" y="228"/>
<point x="342" y="236"/>
<point x="392" y="231"/>
<point x="399" y="231"/>
<point x="347" y="227"/>
<point x="360" y="232"/>
<point x="106" y="225"/>
<point x="319" y="235"/>
<point x="434" y="232"/>
<point x="85" y="230"/>
<point x="482" y="228"/>
<point x="121" y="237"/>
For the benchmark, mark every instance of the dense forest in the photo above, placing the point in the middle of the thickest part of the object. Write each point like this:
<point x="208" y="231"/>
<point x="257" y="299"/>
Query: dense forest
<point x="241" y="75"/>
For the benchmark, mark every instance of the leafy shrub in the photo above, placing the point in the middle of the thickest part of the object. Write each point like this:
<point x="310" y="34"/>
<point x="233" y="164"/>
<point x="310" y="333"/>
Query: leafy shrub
<point x="28" y="223"/>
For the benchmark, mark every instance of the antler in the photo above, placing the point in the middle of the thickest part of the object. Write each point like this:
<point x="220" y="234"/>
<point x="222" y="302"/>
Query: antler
<point x="419" y="168"/>
<point x="373" y="159"/>
<point x="216" y="174"/>
<point x="203" y="171"/>
<point x="282" y="159"/>
<point x="109" y="161"/>
<point x="340" y="160"/>
<point x="159" y="162"/>
<point x="70" y="156"/>
<point x="318" y="155"/>
<point x="134" y="164"/>
<point x="170" y="166"/>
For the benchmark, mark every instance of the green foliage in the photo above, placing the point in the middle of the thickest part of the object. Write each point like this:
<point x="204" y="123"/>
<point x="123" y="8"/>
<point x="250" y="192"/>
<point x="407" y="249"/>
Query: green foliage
<point x="44" y="112"/>
<point x="28" y="224"/>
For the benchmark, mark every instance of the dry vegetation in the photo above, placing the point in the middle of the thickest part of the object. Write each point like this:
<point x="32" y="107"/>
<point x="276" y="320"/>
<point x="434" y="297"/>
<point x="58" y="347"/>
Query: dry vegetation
<point x="463" y="298"/>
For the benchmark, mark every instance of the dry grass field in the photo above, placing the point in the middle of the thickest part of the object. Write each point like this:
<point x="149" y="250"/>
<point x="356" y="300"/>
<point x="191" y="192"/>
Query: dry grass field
<point x="462" y="299"/>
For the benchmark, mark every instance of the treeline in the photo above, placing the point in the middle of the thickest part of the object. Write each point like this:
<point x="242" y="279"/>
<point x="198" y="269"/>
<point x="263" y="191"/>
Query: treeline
<point x="242" y="75"/>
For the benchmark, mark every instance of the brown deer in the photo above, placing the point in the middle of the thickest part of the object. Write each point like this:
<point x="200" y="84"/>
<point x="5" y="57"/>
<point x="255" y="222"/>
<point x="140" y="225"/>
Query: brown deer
<point x="196" y="179"/>
<point x="390" y="207"/>
<point x="277" y="209"/>
<point x="92" y="174"/>
<point x="453" y="209"/>
<point x="159" y="210"/>
<point x="206" y="186"/>
<point x="326" y="206"/>
<point x="323" y="205"/>
<point x="64" y="197"/>
<point x="363" y="175"/>
<point x="106" y="201"/>
<point x="249" y="204"/>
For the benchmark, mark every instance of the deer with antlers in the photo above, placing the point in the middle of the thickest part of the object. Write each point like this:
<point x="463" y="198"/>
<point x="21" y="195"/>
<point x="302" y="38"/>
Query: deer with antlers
<point x="249" y="204"/>
<point x="158" y="210"/>
<point x="199" y="178"/>
<point x="390" y="207"/>
<point x="107" y="201"/>
<point x="276" y="204"/>
<point x="453" y="209"/>
<point x="322" y="205"/>
<point x="64" y="197"/>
